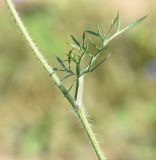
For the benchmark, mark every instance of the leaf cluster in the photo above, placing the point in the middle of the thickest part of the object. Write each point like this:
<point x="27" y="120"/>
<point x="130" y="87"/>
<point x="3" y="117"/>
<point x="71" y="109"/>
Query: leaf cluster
<point x="81" y="49"/>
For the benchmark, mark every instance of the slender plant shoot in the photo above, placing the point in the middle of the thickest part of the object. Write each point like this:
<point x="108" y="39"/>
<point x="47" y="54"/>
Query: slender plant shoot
<point x="75" y="65"/>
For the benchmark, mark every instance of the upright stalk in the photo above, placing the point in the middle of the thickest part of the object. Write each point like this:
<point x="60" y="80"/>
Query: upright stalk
<point x="78" y="108"/>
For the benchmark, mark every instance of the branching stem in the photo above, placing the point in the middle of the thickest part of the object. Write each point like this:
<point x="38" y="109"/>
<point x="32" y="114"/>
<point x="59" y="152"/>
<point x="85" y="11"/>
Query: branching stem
<point x="39" y="56"/>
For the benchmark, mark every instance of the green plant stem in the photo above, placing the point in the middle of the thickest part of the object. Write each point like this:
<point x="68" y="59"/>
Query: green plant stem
<point x="82" y="116"/>
<point x="39" y="56"/>
<point x="80" y="91"/>
<point x="76" y="88"/>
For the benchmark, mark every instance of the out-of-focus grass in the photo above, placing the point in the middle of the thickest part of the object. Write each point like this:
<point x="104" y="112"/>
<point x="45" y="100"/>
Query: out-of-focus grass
<point x="42" y="27"/>
<point x="35" y="120"/>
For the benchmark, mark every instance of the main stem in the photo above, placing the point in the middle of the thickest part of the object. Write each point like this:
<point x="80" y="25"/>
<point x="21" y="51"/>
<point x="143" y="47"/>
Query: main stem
<point x="39" y="56"/>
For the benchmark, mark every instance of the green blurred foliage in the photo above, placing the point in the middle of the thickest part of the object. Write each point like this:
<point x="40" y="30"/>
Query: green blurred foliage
<point x="36" y="121"/>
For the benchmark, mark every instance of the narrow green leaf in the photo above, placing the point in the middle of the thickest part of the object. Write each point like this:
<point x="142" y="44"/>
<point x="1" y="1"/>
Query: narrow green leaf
<point x="91" y="70"/>
<point x="71" y="86"/>
<point x="69" y="58"/>
<point x="84" y="36"/>
<point x="115" y="20"/>
<point x="118" y="22"/>
<point x="132" y="24"/>
<point x="62" y="64"/>
<point x="93" y="33"/>
<point x="75" y="41"/>
<point x="67" y="76"/>
<point x="99" y="31"/>
<point x="60" y="70"/>
<point x="102" y="37"/>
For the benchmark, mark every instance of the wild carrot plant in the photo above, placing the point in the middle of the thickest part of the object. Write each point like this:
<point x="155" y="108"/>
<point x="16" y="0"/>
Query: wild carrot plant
<point x="84" y="57"/>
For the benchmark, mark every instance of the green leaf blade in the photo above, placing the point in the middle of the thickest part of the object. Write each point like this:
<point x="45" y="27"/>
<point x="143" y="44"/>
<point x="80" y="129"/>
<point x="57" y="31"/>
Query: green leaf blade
<point x="115" y="20"/>
<point x="99" y="31"/>
<point x="93" y="33"/>
<point x="127" y="28"/>
<point x="62" y="64"/>
<point x="83" y="39"/>
<point x="118" y="22"/>
<point x="132" y="25"/>
<point x="75" y="41"/>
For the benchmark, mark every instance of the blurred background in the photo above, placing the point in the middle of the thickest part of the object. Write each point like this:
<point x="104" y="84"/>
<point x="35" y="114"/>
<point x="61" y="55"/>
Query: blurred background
<point x="36" y="122"/>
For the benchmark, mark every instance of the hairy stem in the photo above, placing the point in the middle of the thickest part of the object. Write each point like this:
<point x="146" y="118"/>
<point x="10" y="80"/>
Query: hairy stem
<point x="39" y="56"/>
<point x="82" y="116"/>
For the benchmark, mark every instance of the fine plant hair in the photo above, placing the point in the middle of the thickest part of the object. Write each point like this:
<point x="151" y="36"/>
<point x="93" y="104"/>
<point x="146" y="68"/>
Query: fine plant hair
<point x="84" y="57"/>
